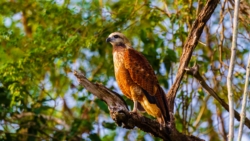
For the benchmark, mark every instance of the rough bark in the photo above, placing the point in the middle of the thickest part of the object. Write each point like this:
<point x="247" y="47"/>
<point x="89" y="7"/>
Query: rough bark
<point x="118" y="108"/>
<point x="194" y="71"/>
<point x="188" y="48"/>
<point x="121" y="115"/>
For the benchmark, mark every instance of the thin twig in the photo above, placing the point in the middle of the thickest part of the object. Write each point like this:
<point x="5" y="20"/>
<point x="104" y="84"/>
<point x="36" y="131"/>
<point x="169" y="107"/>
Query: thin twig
<point x="195" y="72"/>
<point x="230" y="72"/>
<point x="222" y="125"/>
<point x="189" y="47"/>
<point x="244" y="101"/>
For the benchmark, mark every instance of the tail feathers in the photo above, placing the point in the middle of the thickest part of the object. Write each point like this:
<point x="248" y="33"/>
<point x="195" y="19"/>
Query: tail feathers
<point x="160" y="100"/>
<point x="140" y="107"/>
<point x="163" y="105"/>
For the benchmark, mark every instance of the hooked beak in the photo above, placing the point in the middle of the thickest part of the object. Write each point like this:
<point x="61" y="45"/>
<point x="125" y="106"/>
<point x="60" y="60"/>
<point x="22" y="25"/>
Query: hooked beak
<point x="108" y="40"/>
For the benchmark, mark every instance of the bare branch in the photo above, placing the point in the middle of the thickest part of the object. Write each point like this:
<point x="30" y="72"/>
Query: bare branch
<point x="222" y="125"/>
<point x="120" y="114"/>
<point x="189" y="46"/>
<point x="244" y="101"/>
<point x="230" y="72"/>
<point x="194" y="71"/>
<point x="244" y="9"/>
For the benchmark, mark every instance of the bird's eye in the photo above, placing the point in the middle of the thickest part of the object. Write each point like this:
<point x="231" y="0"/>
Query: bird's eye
<point x="116" y="36"/>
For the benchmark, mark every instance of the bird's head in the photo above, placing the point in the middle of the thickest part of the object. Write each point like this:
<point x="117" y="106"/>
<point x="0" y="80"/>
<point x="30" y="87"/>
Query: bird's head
<point x="118" y="39"/>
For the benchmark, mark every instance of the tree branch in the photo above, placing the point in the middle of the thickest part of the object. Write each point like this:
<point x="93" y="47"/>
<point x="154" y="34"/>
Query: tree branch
<point x="194" y="71"/>
<point x="230" y="71"/>
<point x="244" y="101"/>
<point x="120" y="114"/>
<point x="189" y="46"/>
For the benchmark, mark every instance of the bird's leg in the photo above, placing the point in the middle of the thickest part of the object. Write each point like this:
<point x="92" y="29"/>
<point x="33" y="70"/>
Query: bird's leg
<point x="135" y="109"/>
<point x="135" y="106"/>
<point x="136" y="93"/>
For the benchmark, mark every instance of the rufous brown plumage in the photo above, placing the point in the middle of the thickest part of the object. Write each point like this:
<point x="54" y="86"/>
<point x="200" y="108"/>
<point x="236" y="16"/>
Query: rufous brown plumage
<point x="136" y="78"/>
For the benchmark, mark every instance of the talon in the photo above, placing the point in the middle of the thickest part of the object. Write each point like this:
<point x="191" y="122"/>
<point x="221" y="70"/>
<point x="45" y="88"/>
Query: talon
<point x="135" y="112"/>
<point x="135" y="109"/>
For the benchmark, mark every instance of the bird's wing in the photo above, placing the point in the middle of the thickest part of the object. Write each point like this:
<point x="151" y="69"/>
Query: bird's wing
<point x="140" y="71"/>
<point x="143" y="75"/>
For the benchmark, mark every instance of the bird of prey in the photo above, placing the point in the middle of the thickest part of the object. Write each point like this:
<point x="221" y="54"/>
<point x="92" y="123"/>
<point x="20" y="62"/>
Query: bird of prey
<point x="136" y="78"/>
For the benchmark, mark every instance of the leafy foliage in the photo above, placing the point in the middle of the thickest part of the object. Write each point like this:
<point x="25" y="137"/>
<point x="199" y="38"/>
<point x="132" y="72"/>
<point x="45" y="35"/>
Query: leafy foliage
<point x="42" y="42"/>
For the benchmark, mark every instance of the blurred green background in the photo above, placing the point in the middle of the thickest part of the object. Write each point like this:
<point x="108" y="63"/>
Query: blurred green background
<point x="43" y="41"/>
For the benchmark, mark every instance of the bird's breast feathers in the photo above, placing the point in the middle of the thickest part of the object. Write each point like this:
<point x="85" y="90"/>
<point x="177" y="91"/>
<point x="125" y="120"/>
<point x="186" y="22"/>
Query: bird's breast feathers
<point x="136" y="78"/>
<point x="118" y="58"/>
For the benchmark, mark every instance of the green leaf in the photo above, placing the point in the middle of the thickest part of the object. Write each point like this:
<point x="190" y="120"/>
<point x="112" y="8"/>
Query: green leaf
<point x="102" y="105"/>
<point x="109" y="125"/>
<point x="94" y="137"/>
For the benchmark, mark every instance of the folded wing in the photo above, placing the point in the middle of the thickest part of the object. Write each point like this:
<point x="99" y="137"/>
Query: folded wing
<point x="142" y="73"/>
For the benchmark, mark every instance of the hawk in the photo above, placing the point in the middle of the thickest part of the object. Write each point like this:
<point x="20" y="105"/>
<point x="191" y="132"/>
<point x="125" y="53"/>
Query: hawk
<point x="137" y="80"/>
